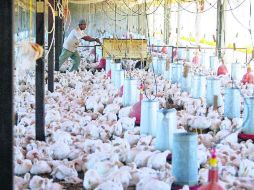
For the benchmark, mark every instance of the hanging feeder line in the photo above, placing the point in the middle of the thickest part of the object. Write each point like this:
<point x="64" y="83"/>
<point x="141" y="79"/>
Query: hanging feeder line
<point x="150" y="52"/>
<point x="195" y="12"/>
<point x="133" y="12"/>
<point x="140" y="13"/>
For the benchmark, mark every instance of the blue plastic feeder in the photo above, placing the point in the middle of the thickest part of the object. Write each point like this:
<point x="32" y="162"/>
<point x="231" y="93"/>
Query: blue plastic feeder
<point x="169" y="53"/>
<point x="180" y="53"/>
<point x="161" y="65"/>
<point x="118" y="78"/>
<point x="235" y="69"/>
<point x="154" y="65"/>
<point x="214" y="63"/>
<point x="148" y="122"/>
<point x="248" y="124"/>
<point x="108" y="63"/>
<point x="188" y="55"/>
<point x="186" y="81"/>
<point x="166" y="125"/>
<point x="232" y="103"/>
<point x="130" y="92"/>
<point x="198" y="86"/>
<point x="115" y="66"/>
<point x="168" y="72"/>
<point x="212" y="89"/>
<point x="184" y="158"/>
<point x="203" y="58"/>
<point x="177" y="72"/>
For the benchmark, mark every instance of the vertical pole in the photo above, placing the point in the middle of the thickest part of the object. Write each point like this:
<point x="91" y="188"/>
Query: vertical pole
<point x="167" y="21"/>
<point x="115" y="19"/>
<point x="138" y="31"/>
<point x="178" y="24"/>
<point x="197" y="22"/>
<point x="219" y="35"/>
<point x="39" y="96"/>
<point x="95" y="56"/>
<point x="51" y="63"/>
<point x="6" y="94"/>
<point x="31" y="19"/>
<point x="58" y="35"/>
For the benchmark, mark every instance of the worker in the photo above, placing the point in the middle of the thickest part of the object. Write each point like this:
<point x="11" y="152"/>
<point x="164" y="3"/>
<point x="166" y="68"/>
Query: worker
<point x="248" y="77"/>
<point x="71" y="44"/>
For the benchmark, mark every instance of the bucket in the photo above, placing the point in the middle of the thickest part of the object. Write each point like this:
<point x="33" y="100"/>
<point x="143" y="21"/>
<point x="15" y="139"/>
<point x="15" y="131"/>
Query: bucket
<point x="214" y="63"/>
<point x="198" y="86"/>
<point x="203" y="58"/>
<point x="118" y="78"/>
<point x="115" y="66"/>
<point x="108" y="62"/>
<point x="177" y="72"/>
<point x="166" y="125"/>
<point x="154" y="65"/>
<point x="232" y="103"/>
<point x="184" y="159"/>
<point x="212" y="89"/>
<point x="235" y="71"/>
<point x="148" y="123"/>
<point x="248" y="125"/>
<point x="130" y="92"/>
<point x="161" y="65"/>
<point x="167" y="74"/>
<point x="186" y="79"/>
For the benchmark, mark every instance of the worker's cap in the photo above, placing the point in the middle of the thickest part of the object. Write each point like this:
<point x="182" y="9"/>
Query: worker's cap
<point x="249" y="66"/>
<point x="82" y="21"/>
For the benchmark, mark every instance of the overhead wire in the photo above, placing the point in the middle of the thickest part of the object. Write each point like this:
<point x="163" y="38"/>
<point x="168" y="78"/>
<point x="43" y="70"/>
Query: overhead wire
<point x="236" y="7"/>
<point x="119" y="20"/>
<point x="195" y="12"/>
<point x="239" y="22"/>
<point x="134" y="13"/>
<point x="234" y="85"/>
<point x="150" y="51"/>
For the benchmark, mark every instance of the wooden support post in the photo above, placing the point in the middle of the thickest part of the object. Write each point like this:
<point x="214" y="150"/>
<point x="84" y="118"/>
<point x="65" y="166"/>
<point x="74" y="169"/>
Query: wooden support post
<point x="58" y="35"/>
<point x="39" y="82"/>
<point x="6" y="94"/>
<point x="51" y="58"/>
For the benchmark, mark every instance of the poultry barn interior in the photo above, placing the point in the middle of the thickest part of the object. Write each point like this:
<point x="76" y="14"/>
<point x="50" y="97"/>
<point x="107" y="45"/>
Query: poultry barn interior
<point x="127" y="94"/>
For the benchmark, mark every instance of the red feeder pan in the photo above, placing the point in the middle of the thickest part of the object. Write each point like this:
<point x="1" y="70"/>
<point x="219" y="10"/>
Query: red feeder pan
<point x="245" y="137"/>
<point x="164" y="50"/>
<point x="248" y="78"/>
<point x="109" y="74"/>
<point x="196" y="60"/>
<point x="136" y="108"/>
<point x="136" y="112"/>
<point x="102" y="64"/>
<point x="222" y="70"/>
<point x="213" y="181"/>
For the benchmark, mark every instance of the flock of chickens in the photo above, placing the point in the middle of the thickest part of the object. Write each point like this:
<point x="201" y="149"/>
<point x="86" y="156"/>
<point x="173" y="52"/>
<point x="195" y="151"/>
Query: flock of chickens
<point x="93" y="143"/>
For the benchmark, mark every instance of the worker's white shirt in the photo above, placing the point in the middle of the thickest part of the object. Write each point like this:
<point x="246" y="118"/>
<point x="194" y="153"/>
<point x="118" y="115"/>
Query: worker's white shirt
<point x="72" y="41"/>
